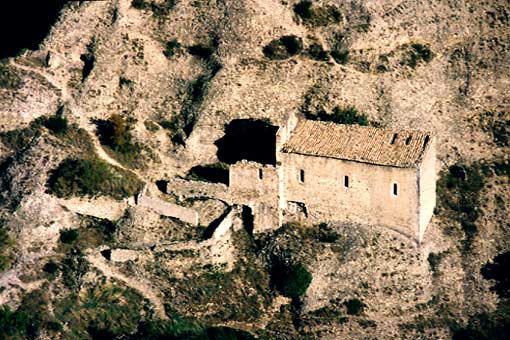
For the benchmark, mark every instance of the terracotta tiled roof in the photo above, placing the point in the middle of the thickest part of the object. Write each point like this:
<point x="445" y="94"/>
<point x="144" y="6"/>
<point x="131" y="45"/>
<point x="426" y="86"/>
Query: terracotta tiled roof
<point x="399" y="148"/>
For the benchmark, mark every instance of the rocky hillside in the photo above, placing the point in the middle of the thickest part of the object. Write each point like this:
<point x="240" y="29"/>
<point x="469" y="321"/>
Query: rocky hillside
<point x="127" y="93"/>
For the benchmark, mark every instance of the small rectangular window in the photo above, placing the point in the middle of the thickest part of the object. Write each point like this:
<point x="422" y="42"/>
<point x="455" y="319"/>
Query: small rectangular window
<point x="346" y="181"/>
<point x="302" y="176"/>
<point x="394" y="138"/>
<point x="261" y="175"/>
<point x="395" y="189"/>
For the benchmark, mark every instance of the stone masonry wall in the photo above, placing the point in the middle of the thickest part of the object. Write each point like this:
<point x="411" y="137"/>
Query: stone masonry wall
<point x="368" y="199"/>
<point x="256" y="185"/>
<point x="427" y="188"/>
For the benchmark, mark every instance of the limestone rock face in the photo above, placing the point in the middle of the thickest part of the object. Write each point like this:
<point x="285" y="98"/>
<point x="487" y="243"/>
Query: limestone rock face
<point x="179" y="71"/>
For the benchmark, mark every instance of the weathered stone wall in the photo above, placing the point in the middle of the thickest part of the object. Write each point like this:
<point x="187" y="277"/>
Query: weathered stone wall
<point x="168" y="209"/>
<point x="256" y="185"/>
<point x="427" y="188"/>
<point x="368" y="198"/>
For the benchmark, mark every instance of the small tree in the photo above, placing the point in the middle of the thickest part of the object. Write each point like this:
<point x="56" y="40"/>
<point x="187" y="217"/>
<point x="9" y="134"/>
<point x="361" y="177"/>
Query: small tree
<point x="290" y="280"/>
<point x="354" y="306"/>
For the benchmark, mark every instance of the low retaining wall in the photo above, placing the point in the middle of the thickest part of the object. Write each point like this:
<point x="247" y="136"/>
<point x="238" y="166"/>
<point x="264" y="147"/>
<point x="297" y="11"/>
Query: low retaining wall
<point x="169" y="209"/>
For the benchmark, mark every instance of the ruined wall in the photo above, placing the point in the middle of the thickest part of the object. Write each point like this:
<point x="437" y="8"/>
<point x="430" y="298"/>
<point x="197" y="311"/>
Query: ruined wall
<point x="168" y="209"/>
<point x="427" y="188"/>
<point x="368" y="198"/>
<point x="256" y="185"/>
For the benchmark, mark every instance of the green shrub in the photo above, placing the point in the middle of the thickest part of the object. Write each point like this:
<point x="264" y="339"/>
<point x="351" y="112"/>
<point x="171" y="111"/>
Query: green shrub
<point x="56" y="124"/>
<point x="354" y="306"/>
<point x="138" y="4"/>
<point x="341" y="57"/>
<point x="290" y="280"/>
<point x="151" y="125"/>
<point x="415" y="54"/>
<point x="171" y="48"/>
<point x="341" y="115"/>
<point x="283" y="48"/>
<point x="51" y="267"/>
<point x="317" y="16"/>
<point x="201" y="51"/>
<point x="6" y="244"/>
<point x="18" y="139"/>
<point x="458" y="194"/>
<point x="82" y="177"/>
<point x="434" y="260"/>
<point x="68" y="236"/>
<point x="316" y="52"/>
<point x="115" y="134"/>
<point x="70" y="134"/>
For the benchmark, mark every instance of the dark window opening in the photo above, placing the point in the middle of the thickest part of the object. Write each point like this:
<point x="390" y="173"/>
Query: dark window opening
<point x="346" y="181"/>
<point x="250" y="139"/>
<point x="261" y="175"/>
<point x="247" y="216"/>
<point x="427" y="138"/>
<point x="395" y="189"/>
<point x="394" y="138"/>
<point x="408" y="140"/>
<point x="302" y="176"/>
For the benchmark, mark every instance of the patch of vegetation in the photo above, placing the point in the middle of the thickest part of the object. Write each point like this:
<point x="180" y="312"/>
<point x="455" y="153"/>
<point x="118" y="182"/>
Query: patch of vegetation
<point x="486" y="326"/>
<point x="91" y="177"/>
<point x="202" y="51"/>
<point x="317" y="52"/>
<point x="317" y="16"/>
<point x="18" y="139"/>
<point x="458" y="191"/>
<point x="57" y="125"/>
<point x="171" y="48"/>
<point x="416" y="53"/>
<point x="341" y="115"/>
<point x="340" y="56"/>
<point x="434" y="260"/>
<point x="106" y="311"/>
<point x="291" y="280"/>
<point x="283" y="48"/>
<point x="159" y="9"/>
<point x="50" y="267"/>
<point x="214" y="173"/>
<point x="115" y="134"/>
<point x="354" y="306"/>
<point x="69" y="236"/>
<point x="499" y="271"/>
<point x="9" y="79"/>
<point x="498" y="124"/>
<point x="151" y="125"/>
<point x="6" y="244"/>
<point x="28" y="320"/>
<point x="184" y="328"/>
